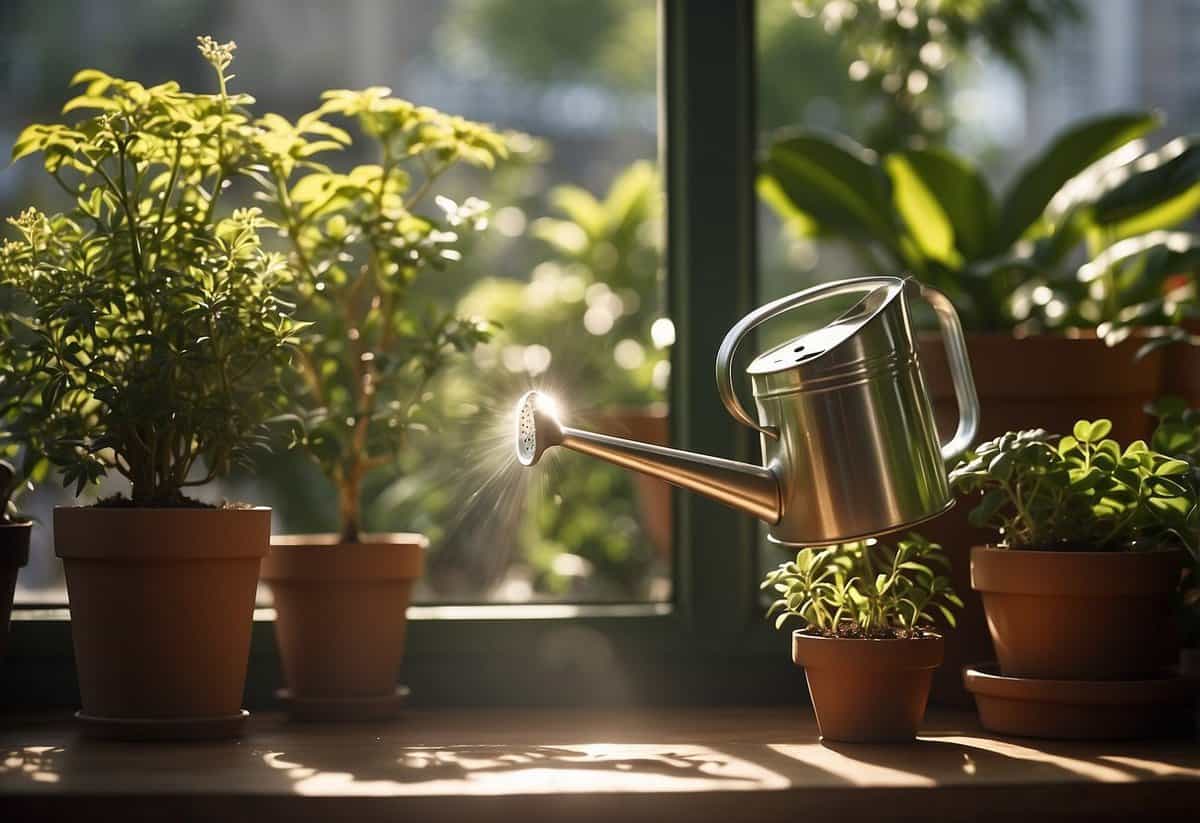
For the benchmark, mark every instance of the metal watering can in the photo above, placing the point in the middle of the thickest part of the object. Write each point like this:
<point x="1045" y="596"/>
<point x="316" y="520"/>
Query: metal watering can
<point x="849" y="444"/>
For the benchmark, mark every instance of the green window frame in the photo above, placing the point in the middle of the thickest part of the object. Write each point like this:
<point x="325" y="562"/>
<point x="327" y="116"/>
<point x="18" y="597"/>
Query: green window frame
<point x="710" y="644"/>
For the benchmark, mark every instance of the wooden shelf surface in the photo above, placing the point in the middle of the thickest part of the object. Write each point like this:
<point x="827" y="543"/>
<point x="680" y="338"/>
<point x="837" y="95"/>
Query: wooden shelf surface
<point x="678" y="764"/>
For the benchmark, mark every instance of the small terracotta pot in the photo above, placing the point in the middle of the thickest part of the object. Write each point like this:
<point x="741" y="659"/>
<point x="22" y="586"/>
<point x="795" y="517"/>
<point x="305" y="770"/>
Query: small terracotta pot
<point x="341" y="612"/>
<point x="1079" y="615"/>
<point x="649" y="424"/>
<point x="162" y="602"/>
<point x="867" y="690"/>
<point x="14" y="553"/>
<point x="1041" y="381"/>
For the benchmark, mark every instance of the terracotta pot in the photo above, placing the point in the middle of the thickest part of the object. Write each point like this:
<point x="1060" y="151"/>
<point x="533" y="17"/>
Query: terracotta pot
<point x="1039" y="381"/>
<point x="14" y="553"/>
<point x="1182" y="372"/>
<point x="1079" y="615"/>
<point x="649" y="424"/>
<point x="341" y="612"/>
<point x="1084" y="709"/>
<point x="867" y="690"/>
<point x="162" y="602"/>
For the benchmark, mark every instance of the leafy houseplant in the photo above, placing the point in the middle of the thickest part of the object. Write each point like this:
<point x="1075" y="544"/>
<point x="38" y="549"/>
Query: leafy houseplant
<point x="362" y="242"/>
<point x="1091" y="540"/>
<point x="1011" y="263"/>
<point x="868" y="646"/>
<point x="147" y="342"/>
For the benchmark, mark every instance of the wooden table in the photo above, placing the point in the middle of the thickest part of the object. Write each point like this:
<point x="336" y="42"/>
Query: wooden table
<point x="684" y="764"/>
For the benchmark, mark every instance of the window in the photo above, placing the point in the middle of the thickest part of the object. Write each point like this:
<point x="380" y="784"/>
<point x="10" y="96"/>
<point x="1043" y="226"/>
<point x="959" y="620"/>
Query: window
<point x="572" y="268"/>
<point x="708" y="642"/>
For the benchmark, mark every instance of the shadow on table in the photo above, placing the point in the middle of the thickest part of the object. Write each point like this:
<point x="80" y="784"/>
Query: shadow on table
<point x="963" y="759"/>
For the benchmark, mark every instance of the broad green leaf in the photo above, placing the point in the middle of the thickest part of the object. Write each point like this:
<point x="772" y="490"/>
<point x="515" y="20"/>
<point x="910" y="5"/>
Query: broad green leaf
<point x="926" y="221"/>
<point x="1068" y="154"/>
<point x="91" y="102"/>
<point x="961" y="192"/>
<point x="794" y="220"/>
<point x="838" y="184"/>
<point x="1172" y="467"/>
<point x="1154" y="257"/>
<point x="1167" y="177"/>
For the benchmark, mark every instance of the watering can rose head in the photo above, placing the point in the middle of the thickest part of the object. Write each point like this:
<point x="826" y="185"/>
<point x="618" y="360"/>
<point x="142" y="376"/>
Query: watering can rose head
<point x="841" y="407"/>
<point x="1080" y="491"/>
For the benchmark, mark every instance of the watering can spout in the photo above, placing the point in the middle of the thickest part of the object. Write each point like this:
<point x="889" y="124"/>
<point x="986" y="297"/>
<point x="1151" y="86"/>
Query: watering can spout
<point x="752" y="489"/>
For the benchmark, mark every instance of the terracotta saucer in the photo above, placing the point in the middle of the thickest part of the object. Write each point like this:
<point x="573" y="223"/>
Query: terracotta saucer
<point x="1083" y="709"/>
<point x="344" y="708"/>
<point x="221" y="727"/>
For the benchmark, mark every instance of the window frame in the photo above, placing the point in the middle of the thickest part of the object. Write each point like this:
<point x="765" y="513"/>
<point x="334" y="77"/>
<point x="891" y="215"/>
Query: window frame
<point x="710" y="644"/>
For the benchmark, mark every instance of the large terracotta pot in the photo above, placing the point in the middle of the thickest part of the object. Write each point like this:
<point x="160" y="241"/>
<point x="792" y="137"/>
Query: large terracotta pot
<point x="162" y="602"/>
<point x="1079" y="615"/>
<point x="1181" y="373"/>
<point x="14" y="553"/>
<point x="867" y="690"/>
<point x="341" y="619"/>
<point x="649" y="424"/>
<point x="1040" y="381"/>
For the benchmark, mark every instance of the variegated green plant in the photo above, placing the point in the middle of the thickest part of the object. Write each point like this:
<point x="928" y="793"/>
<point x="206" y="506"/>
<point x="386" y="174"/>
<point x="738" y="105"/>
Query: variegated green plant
<point x="1081" y="491"/>
<point x="361" y="239"/>
<point x="865" y="589"/>
<point x="141" y="333"/>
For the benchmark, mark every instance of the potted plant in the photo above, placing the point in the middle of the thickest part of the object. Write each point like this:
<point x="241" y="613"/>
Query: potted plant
<point x="14" y="533"/>
<point x="363" y="245"/>
<point x="1049" y="338"/>
<point x="148" y="345"/>
<point x="1091" y="544"/>
<point x="867" y="646"/>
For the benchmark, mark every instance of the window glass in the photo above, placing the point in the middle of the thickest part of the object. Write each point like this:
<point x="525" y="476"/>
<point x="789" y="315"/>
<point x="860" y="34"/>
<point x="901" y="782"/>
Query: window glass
<point x="570" y="269"/>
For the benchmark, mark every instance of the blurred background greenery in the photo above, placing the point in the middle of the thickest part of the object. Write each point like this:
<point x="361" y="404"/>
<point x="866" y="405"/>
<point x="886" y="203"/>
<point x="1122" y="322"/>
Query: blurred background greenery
<point x="572" y="264"/>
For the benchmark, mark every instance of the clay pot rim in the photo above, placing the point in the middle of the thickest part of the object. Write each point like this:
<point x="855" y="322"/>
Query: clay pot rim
<point x="161" y="534"/>
<point x="1095" y="574"/>
<point x="985" y="680"/>
<point x="332" y="540"/>
<point x="818" y="651"/>
<point x="323" y="558"/>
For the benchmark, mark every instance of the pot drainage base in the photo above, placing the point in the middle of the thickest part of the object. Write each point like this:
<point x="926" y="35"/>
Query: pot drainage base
<point x="1083" y="709"/>
<point x="221" y="727"/>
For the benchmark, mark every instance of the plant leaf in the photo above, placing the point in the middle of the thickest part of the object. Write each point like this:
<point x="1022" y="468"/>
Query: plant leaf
<point x="1068" y="154"/>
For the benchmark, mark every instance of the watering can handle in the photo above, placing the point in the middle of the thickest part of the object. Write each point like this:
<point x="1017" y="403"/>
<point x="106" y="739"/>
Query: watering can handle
<point x="960" y="373"/>
<point x="775" y="308"/>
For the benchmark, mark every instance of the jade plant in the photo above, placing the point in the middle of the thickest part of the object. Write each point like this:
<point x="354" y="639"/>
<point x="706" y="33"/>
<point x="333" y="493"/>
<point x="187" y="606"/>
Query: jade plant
<point x="361" y="240"/>
<point x="1080" y="492"/>
<point x="1009" y="260"/>
<point x="865" y="589"/>
<point x="142" y="333"/>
